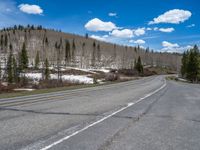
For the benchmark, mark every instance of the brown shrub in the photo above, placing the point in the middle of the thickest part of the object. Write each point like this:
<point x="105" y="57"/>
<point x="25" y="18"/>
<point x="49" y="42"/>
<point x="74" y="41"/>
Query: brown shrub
<point x="111" y="77"/>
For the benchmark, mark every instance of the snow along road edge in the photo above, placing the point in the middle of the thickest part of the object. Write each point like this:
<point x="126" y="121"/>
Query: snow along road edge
<point x="103" y="119"/>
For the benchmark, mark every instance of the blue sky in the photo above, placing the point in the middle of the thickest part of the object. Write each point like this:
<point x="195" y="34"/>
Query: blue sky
<point x="164" y="25"/>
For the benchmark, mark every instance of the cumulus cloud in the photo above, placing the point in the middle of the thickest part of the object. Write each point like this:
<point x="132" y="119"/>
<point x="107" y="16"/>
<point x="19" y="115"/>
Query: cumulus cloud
<point x="100" y="38"/>
<point x="174" y="16"/>
<point x="174" y="47"/>
<point x="168" y="30"/>
<point x="179" y="49"/>
<point x="125" y="33"/>
<point x="139" y="41"/>
<point x="191" y="25"/>
<point x="155" y="28"/>
<point x="139" y="31"/>
<point x="149" y="29"/>
<point x="168" y="44"/>
<point x="111" y="14"/>
<point x="99" y="25"/>
<point x="31" y="9"/>
<point x="128" y="33"/>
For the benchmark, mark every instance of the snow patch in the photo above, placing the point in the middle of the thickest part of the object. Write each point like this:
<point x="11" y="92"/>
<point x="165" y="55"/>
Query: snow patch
<point x="24" y="90"/>
<point x="72" y="78"/>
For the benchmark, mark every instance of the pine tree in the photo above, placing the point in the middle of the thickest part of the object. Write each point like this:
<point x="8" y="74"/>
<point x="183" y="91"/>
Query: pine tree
<point x="184" y="63"/>
<point x="46" y="71"/>
<point x="37" y="60"/>
<point x="6" y="41"/>
<point x="93" y="55"/>
<point x="24" y="57"/>
<point x="10" y="68"/>
<point x="19" y="62"/>
<point x="135" y="64"/>
<point x="98" y="52"/>
<point x="67" y="51"/>
<point x="73" y="49"/>
<point x="0" y="71"/>
<point x="139" y="66"/>
<point x="193" y="66"/>
<point x="46" y="41"/>
<point x="15" y="71"/>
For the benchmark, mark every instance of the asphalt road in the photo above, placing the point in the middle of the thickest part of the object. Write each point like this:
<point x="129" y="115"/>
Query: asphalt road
<point x="146" y="114"/>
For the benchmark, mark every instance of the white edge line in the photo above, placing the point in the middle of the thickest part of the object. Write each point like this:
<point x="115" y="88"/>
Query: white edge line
<point x="101" y="120"/>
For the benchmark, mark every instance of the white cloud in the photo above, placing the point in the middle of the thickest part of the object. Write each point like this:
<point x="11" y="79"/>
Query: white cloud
<point x="125" y="33"/>
<point x="191" y="25"/>
<point x="156" y="29"/>
<point x="149" y="29"/>
<point x="139" y="41"/>
<point x="100" y="38"/>
<point x="180" y="49"/>
<point x="139" y="31"/>
<point x="168" y="30"/>
<point x="31" y="9"/>
<point x="98" y="25"/>
<point x="173" y="47"/>
<point x="169" y="45"/>
<point x="111" y="14"/>
<point x="174" y="16"/>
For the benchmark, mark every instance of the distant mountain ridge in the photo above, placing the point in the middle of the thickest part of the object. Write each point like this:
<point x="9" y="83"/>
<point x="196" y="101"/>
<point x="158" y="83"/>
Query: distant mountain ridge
<point x="78" y="51"/>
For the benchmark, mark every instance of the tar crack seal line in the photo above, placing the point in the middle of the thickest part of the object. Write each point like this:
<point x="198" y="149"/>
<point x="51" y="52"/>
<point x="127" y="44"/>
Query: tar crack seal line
<point x="103" y="119"/>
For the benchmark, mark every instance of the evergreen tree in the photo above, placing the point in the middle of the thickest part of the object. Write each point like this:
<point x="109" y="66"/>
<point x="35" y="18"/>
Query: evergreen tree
<point x="9" y="68"/>
<point x="139" y="66"/>
<point x="24" y="57"/>
<point x="1" y="40"/>
<point x="93" y="55"/>
<point x="184" y="63"/>
<point x="193" y="67"/>
<point x="73" y="45"/>
<point x="190" y="68"/>
<point x="98" y="52"/>
<point x="46" y="71"/>
<point x="46" y="41"/>
<point x="19" y="62"/>
<point x="135" y="64"/>
<point x="6" y="41"/>
<point x="67" y="51"/>
<point x="0" y="71"/>
<point x="15" y="71"/>
<point x="37" y="60"/>
<point x="73" y="49"/>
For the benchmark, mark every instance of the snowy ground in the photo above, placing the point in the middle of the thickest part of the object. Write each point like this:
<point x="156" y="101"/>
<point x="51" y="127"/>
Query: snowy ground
<point x="72" y="78"/>
<point x="84" y="70"/>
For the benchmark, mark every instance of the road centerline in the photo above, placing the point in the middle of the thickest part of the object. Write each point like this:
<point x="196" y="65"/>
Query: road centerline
<point x="103" y="119"/>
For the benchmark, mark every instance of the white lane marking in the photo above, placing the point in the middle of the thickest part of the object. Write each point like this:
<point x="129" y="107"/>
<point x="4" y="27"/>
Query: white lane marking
<point x="101" y="120"/>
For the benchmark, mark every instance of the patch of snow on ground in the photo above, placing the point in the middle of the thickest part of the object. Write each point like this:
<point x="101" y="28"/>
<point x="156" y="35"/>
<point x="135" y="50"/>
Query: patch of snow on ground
<point x="34" y="76"/>
<point x="24" y="90"/>
<point x="84" y="70"/>
<point x="80" y="69"/>
<point x="72" y="78"/>
<point x="102" y="70"/>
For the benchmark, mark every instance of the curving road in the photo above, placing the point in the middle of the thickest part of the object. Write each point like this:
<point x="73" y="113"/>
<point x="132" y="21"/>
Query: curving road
<point x="145" y="114"/>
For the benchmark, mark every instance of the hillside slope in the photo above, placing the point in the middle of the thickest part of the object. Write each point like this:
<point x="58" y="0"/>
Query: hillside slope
<point x="84" y="52"/>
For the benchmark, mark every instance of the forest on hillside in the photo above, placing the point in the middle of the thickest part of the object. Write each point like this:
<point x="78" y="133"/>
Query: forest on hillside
<point x="78" y="51"/>
<point x="41" y="58"/>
